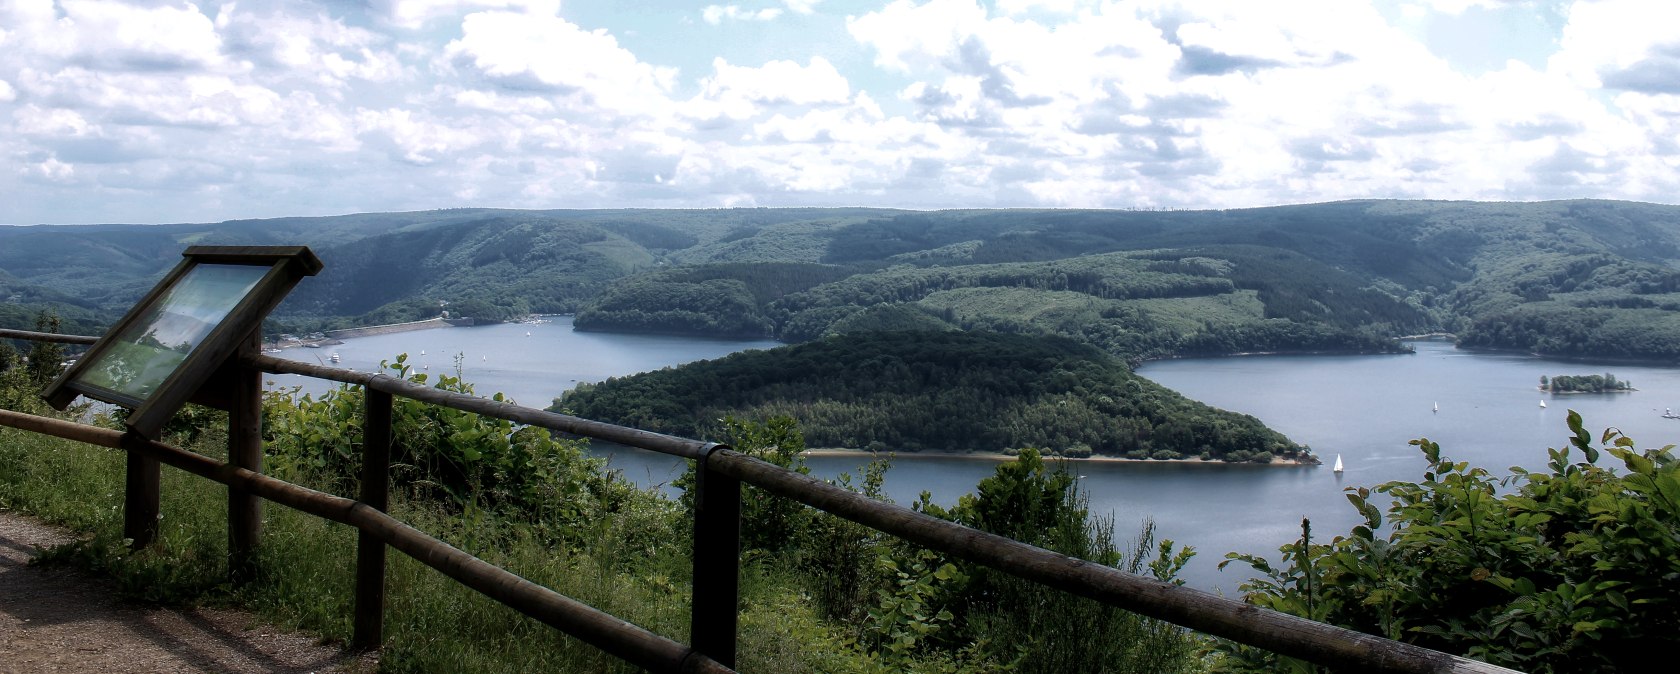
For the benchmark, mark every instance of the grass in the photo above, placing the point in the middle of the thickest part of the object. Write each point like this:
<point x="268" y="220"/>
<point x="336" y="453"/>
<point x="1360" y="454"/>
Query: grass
<point x="591" y="538"/>
<point x="306" y="580"/>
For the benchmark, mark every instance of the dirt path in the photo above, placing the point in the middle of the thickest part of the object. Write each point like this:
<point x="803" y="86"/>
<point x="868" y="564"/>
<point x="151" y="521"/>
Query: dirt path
<point x="60" y="620"/>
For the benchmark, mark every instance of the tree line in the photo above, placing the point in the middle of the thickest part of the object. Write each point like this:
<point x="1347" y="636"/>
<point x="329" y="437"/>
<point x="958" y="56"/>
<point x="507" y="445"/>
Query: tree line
<point x="946" y="391"/>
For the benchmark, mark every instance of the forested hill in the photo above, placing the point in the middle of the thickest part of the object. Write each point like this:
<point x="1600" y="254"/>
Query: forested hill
<point x="950" y="391"/>
<point x="1581" y="278"/>
<point x="1585" y="278"/>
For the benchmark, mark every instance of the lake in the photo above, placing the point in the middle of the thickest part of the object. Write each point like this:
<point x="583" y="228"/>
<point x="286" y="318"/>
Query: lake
<point x="1364" y="408"/>
<point x="529" y="363"/>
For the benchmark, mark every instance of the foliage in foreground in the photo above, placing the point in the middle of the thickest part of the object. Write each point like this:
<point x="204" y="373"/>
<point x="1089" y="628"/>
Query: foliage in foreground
<point x="545" y="510"/>
<point x="1576" y="569"/>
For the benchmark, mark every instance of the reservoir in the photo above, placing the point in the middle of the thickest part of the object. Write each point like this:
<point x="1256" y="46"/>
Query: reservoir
<point x="531" y="363"/>
<point x="1364" y="408"/>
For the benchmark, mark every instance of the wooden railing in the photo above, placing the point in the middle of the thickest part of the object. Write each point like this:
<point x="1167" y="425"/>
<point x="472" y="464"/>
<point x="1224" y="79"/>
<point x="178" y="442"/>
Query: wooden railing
<point x="716" y="554"/>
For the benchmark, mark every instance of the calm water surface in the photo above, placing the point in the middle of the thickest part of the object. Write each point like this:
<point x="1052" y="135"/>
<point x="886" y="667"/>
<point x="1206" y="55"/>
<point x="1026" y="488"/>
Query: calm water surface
<point x="532" y="364"/>
<point x="1364" y="408"/>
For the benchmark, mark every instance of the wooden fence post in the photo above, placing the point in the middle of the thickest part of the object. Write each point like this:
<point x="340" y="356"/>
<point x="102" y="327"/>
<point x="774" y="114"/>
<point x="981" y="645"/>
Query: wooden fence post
<point x="245" y="450"/>
<point x="717" y="561"/>
<point x="140" y="500"/>
<point x="370" y="551"/>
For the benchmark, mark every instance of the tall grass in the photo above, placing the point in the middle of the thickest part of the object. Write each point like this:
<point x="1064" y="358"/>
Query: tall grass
<point x="306" y="569"/>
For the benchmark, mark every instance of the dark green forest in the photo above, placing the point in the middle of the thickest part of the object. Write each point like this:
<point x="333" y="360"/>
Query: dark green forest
<point x="942" y="391"/>
<point x="1568" y="278"/>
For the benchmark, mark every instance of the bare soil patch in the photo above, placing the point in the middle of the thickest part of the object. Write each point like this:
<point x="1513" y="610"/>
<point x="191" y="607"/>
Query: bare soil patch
<point x="62" y="620"/>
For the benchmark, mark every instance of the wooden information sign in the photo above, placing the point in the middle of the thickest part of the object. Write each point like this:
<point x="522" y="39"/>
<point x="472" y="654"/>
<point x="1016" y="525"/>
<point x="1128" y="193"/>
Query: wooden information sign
<point x="181" y="333"/>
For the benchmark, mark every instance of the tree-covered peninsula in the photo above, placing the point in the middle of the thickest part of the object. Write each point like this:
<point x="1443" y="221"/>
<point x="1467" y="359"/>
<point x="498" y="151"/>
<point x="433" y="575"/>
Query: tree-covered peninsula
<point x="937" y="391"/>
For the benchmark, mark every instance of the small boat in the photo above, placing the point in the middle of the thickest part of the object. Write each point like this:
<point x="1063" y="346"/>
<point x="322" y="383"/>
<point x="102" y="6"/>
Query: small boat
<point x="527" y="333"/>
<point x="1338" y="467"/>
<point x="334" y="357"/>
<point x="422" y="352"/>
<point x="1437" y="407"/>
<point x="484" y="358"/>
<point x="1542" y="404"/>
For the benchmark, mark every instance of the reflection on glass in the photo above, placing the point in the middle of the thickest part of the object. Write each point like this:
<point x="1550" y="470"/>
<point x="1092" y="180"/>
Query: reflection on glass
<point x="150" y="349"/>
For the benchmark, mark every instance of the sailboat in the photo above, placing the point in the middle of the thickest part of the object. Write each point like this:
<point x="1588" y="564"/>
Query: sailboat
<point x="1437" y="407"/>
<point x="1542" y="404"/>
<point x="1338" y="467"/>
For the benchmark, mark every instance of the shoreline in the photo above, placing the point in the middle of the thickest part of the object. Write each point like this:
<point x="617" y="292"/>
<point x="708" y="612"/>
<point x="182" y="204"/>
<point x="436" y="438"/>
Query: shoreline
<point x="1591" y="360"/>
<point x="335" y="337"/>
<point x="1001" y="457"/>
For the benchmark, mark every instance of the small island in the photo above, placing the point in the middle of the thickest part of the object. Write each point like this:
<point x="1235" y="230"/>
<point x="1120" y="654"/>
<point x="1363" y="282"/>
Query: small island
<point x="1588" y="383"/>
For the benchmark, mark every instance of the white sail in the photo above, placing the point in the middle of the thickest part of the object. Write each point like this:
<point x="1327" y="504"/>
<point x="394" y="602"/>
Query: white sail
<point x="1542" y="404"/>
<point x="1437" y="407"/>
<point x="1338" y="467"/>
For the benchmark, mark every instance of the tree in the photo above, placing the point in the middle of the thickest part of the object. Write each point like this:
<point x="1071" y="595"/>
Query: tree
<point x="46" y="359"/>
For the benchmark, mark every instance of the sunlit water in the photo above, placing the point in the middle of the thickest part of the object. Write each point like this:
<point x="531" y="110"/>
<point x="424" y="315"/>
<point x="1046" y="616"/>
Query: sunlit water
<point x="1364" y="408"/>
<point x="530" y="363"/>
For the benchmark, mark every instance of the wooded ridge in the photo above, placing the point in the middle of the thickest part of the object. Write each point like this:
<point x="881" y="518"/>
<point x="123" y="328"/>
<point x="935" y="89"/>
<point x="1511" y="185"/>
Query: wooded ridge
<point x="1572" y="278"/>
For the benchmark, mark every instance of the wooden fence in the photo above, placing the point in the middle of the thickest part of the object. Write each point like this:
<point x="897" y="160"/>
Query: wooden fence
<point x="716" y="555"/>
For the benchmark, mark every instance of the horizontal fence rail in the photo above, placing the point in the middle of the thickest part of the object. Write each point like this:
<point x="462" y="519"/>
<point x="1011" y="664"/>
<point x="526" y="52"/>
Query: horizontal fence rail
<point x="46" y="337"/>
<point x="658" y="442"/>
<point x="717" y="548"/>
<point x="610" y="634"/>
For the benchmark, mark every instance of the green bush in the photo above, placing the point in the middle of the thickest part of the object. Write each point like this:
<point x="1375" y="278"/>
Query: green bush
<point x="1575" y="569"/>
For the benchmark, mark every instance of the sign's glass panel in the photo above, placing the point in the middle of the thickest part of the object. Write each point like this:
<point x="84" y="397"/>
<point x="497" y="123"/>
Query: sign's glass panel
<point x="150" y="349"/>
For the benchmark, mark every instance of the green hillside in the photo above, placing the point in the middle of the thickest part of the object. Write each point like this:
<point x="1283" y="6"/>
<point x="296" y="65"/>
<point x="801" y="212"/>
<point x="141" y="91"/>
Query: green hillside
<point x="1578" y="278"/>
<point x="947" y="391"/>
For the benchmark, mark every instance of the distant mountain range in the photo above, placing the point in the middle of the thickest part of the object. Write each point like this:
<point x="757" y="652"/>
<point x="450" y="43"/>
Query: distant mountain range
<point x="1578" y="278"/>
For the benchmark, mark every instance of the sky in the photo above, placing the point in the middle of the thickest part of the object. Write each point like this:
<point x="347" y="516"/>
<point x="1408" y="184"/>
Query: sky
<point x="147" y="111"/>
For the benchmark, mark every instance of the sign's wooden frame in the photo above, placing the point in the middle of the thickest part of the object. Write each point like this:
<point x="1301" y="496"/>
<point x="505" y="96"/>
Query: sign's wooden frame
<point x="195" y="379"/>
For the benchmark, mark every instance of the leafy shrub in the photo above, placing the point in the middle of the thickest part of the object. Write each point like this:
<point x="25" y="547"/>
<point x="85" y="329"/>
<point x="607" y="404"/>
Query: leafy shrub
<point x="474" y="462"/>
<point x="1576" y="569"/>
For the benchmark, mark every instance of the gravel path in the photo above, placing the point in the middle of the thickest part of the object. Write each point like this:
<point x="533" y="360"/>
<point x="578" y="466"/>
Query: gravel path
<point x="61" y="620"/>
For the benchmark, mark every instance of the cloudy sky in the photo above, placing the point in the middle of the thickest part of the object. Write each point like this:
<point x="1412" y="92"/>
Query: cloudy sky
<point x="155" y="111"/>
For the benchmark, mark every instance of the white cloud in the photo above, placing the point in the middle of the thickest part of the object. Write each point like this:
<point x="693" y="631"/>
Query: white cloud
<point x="523" y="52"/>
<point x="182" y="111"/>
<point x="103" y="34"/>
<point x="1456" y="7"/>
<point x="1610" y="36"/>
<point x="416" y="138"/>
<point x="417" y="13"/>
<point x="50" y="170"/>
<point x="717" y="14"/>
<point x="779" y="82"/>
<point x="318" y="48"/>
